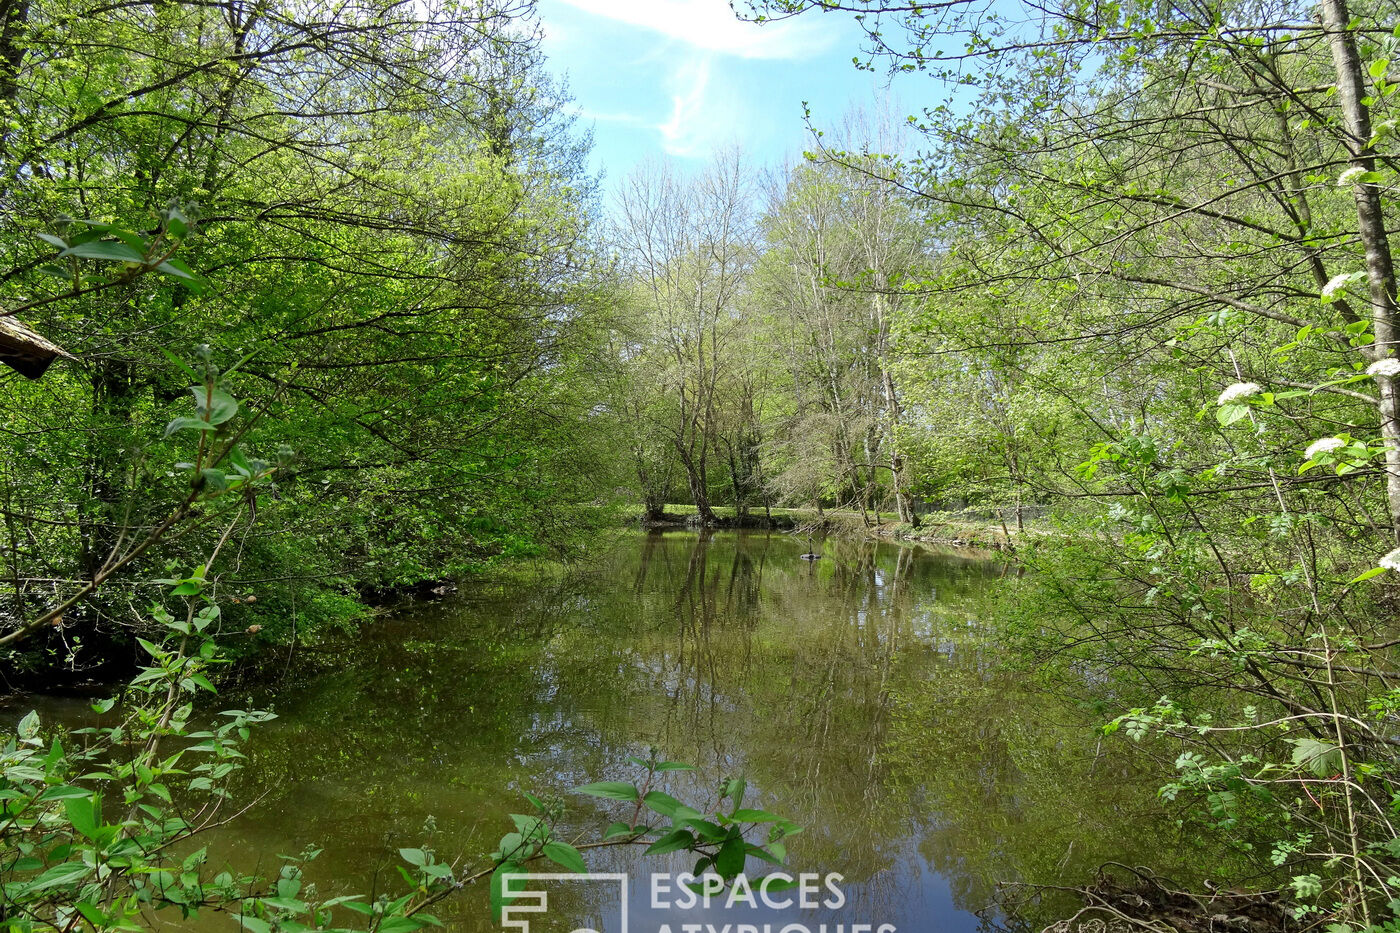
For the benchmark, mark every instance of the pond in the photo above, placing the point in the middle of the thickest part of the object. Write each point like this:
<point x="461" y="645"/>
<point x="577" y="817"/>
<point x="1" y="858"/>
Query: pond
<point x="861" y="695"/>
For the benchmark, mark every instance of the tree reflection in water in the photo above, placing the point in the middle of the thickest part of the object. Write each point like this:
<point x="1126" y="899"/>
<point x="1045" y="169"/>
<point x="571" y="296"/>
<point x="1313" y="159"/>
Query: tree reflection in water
<point x="863" y="695"/>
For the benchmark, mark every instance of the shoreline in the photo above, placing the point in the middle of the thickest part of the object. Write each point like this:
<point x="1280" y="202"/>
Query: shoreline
<point x="935" y="528"/>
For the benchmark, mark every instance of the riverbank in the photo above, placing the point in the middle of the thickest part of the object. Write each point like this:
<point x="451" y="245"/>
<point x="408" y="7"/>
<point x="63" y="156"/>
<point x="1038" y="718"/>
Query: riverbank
<point x="947" y="529"/>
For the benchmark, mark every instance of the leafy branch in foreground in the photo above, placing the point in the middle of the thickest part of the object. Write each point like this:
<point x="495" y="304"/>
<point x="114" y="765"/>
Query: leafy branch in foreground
<point x="221" y="468"/>
<point x="717" y="835"/>
<point x="94" y="835"/>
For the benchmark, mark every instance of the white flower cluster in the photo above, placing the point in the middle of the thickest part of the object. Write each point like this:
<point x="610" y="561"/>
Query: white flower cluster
<point x="1339" y="283"/>
<point x="1389" y="366"/>
<point x="1323" y="446"/>
<point x="1350" y="176"/>
<point x="1238" y="392"/>
<point x="1391" y="561"/>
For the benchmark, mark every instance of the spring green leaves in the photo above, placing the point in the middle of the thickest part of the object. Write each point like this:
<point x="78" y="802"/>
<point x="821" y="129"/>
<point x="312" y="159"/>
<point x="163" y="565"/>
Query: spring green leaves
<point x="535" y="836"/>
<point x="609" y="790"/>
<point x="217" y="469"/>
<point x="136" y="252"/>
<point x="1390" y="561"/>
<point x="718" y="837"/>
<point x="1344" y="453"/>
<point x="89" y="831"/>
<point x="722" y="836"/>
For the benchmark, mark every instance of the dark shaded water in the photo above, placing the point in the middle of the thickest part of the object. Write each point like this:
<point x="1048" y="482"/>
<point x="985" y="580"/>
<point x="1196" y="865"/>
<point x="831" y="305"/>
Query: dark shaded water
<point x="861" y="696"/>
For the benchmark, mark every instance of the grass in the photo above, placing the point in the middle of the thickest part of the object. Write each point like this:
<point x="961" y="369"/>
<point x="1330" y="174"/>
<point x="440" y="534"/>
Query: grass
<point x="938" y="528"/>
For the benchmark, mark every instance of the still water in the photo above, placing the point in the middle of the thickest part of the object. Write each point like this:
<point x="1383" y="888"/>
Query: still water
<point x="862" y="695"/>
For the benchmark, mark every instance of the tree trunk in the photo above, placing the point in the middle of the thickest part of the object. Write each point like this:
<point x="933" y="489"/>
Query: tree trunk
<point x="653" y="494"/>
<point x="14" y="23"/>
<point x="1380" y="269"/>
<point x="695" y="479"/>
<point x="901" y="501"/>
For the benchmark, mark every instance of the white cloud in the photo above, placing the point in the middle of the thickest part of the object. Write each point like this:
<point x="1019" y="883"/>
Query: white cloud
<point x="711" y="25"/>
<point x="683" y="133"/>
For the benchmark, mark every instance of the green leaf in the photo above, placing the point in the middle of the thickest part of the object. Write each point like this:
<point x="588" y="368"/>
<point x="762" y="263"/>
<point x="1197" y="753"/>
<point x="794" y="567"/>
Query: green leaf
<point x="762" y="853"/>
<point x="668" y="806"/>
<point x="105" y="250"/>
<point x="64" y="792"/>
<point x="178" y="270"/>
<point x="510" y="847"/>
<point x="731" y="856"/>
<point x="783" y="828"/>
<point x="414" y="856"/>
<point x="217" y="480"/>
<point x="1229" y="414"/>
<point x="97" y="229"/>
<point x="176" y="223"/>
<point x="1321" y="758"/>
<point x="188" y="370"/>
<point x="1367" y="575"/>
<point x="213" y="405"/>
<point x="67" y="873"/>
<point x="498" y="895"/>
<point x="673" y="841"/>
<point x="617" y="830"/>
<point x="186" y="423"/>
<point x="401" y="924"/>
<point x="94" y="915"/>
<point x="734" y="789"/>
<point x="674" y="766"/>
<point x="565" y="856"/>
<point x="85" y="815"/>
<point x="611" y="790"/>
<point x="527" y="826"/>
<point x="710" y="832"/>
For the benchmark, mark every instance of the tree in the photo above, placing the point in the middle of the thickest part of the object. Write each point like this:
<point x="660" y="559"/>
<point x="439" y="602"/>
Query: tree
<point x="841" y="248"/>
<point x="1167" y="157"/>
<point x="686" y="247"/>
<point x="393" y="216"/>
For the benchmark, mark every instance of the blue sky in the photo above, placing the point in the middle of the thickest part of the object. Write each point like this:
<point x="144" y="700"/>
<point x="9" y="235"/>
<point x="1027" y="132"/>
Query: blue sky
<point x="681" y="78"/>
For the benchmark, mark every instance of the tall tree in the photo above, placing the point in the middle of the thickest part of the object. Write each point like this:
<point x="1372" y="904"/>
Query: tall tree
<point x="687" y="244"/>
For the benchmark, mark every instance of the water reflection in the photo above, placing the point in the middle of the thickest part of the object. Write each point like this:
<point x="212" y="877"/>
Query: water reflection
<point x="861" y="695"/>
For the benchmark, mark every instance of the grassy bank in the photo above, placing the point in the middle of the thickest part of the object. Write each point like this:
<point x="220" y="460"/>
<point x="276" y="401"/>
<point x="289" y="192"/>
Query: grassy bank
<point x="935" y="528"/>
